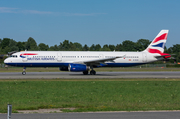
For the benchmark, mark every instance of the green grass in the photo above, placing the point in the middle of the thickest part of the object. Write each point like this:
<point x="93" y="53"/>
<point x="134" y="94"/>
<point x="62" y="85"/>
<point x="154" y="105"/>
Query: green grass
<point x="91" y="95"/>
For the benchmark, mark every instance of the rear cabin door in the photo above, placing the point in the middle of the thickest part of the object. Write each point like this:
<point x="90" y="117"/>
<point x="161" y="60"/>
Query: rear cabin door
<point x="144" y="57"/>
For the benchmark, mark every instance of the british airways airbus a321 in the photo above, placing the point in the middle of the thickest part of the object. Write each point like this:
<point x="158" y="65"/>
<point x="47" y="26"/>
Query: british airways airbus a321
<point x="85" y="61"/>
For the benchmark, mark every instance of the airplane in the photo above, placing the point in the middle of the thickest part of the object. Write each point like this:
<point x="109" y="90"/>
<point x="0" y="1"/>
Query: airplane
<point x="86" y="61"/>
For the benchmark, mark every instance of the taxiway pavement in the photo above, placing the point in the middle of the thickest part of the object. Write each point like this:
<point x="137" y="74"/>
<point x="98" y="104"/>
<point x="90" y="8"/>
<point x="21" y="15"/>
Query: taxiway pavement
<point x="99" y="115"/>
<point x="79" y="75"/>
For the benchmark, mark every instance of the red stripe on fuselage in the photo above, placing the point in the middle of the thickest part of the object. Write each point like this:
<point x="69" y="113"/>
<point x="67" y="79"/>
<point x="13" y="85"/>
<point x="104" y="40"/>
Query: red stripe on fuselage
<point x="28" y="54"/>
<point x="162" y="37"/>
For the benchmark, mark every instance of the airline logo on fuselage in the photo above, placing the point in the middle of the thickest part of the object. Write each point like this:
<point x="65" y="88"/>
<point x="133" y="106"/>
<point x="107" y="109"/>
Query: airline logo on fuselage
<point x="24" y="55"/>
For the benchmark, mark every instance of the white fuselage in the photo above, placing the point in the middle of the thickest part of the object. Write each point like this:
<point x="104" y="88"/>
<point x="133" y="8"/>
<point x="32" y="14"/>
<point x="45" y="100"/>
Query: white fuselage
<point x="64" y="58"/>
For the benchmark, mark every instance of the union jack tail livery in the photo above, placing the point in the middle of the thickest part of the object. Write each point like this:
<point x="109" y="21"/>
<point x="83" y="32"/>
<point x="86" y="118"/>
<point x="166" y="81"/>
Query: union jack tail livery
<point x="158" y="44"/>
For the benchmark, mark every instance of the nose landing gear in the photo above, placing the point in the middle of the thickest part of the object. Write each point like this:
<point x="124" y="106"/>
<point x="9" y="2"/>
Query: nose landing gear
<point x="24" y="71"/>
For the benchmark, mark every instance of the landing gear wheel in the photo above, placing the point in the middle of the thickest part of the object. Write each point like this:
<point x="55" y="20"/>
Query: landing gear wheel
<point x="85" y="72"/>
<point x="23" y="73"/>
<point x="92" y="72"/>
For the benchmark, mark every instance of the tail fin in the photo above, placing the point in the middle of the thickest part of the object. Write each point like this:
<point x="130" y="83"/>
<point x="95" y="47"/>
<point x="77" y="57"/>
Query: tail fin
<point x="158" y="44"/>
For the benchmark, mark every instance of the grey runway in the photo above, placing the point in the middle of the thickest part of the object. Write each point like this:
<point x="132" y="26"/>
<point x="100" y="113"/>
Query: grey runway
<point x="99" y="115"/>
<point x="79" y="75"/>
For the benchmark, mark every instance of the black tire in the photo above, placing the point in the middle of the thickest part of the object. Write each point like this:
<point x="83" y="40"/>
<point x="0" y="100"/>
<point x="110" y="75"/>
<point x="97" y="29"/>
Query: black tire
<point x="92" y="72"/>
<point x="85" y="72"/>
<point x="23" y="73"/>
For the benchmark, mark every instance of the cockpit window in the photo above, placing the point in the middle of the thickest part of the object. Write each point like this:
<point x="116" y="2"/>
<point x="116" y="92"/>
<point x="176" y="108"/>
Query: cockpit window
<point x="13" y="56"/>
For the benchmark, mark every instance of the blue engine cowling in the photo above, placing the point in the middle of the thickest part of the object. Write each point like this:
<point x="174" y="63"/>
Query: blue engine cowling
<point x="78" y="67"/>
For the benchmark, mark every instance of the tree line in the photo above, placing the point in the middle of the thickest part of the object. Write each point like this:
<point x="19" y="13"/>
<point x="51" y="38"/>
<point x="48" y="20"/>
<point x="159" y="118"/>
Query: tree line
<point x="9" y="45"/>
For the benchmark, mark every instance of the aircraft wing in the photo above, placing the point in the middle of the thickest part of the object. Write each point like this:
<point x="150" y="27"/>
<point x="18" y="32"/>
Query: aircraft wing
<point x="99" y="62"/>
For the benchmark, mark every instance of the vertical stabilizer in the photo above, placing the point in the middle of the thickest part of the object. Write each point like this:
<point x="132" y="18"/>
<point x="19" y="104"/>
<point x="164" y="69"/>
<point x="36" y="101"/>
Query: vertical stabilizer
<point x="158" y="44"/>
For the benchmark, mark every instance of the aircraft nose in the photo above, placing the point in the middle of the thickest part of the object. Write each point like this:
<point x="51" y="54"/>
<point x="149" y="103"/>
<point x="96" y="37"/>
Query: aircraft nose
<point x="6" y="60"/>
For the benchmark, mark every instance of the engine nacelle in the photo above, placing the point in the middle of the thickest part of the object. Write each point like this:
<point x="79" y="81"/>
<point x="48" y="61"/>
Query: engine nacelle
<point x="78" y="67"/>
<point x="63" y="68"/>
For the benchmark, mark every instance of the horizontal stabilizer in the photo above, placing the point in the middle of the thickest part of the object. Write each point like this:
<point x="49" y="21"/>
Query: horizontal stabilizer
<point x="163" y="56"/>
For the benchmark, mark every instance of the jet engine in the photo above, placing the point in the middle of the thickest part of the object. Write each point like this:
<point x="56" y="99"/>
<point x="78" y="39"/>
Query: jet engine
<point x="78" y="67"/>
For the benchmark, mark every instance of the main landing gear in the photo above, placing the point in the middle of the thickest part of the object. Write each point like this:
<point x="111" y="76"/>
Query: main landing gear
<point x="85" y="72"/>
<point x="24" y="71"/>
<point x="92" y="72"/>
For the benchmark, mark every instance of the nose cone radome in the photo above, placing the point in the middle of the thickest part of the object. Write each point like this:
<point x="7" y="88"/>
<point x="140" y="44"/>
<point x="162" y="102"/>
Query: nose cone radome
<point x="6" y="61"/>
